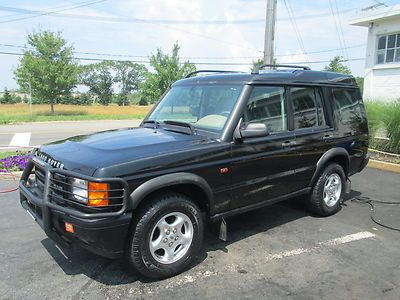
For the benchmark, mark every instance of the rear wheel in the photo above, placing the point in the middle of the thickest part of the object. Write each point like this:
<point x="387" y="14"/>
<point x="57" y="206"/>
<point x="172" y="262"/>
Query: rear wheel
<point x="326" y="196"/>
<point x="166" y="236"/>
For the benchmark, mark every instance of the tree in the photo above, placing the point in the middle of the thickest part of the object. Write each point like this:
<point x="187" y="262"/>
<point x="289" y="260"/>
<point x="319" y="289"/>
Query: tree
<point x="99" y="80"/>
<point x="360" y="83"/>
<point x="49" y="67"/>
<point x="257" y="64"/>
<point x="129" y="75"/>
<point x="167" y="70"/>
<point x="336" y="65"/>
<point x="7" y="98"/>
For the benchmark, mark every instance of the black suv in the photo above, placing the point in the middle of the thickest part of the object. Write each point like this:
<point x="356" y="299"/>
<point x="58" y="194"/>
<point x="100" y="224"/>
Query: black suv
<point x="214" y="146"/>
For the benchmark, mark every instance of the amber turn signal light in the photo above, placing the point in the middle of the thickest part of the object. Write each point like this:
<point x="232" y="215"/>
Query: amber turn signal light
<point x="98" y="194"/>
<point x="69" y="227"/>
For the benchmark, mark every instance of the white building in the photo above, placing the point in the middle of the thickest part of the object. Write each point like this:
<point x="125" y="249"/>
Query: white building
<point x="382" y="63"/>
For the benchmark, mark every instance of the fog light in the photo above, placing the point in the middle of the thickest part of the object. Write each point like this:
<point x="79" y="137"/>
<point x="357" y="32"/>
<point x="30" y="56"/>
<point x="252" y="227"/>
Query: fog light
<point x="98" y="194"/>
<point x="69" y="227"/>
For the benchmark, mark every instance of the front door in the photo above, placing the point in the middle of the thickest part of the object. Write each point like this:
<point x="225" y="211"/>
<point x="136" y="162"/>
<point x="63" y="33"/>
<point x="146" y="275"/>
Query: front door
<point x="262" y="167"/>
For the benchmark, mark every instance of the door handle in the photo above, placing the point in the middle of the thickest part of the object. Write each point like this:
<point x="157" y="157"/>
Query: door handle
<point x="327" y="137"/>
<point x="288" y="143"/>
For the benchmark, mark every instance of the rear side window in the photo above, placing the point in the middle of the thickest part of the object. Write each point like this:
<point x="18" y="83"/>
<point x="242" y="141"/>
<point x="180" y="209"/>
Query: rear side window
<point x="267" y="105"/>
<point x="347" y="104"/>
<point x="307" y="107"/>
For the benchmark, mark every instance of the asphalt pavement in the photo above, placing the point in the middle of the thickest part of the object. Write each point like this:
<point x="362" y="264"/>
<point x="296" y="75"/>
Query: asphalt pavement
<point x="277" y="252"/>
<point x="46" y="132"/>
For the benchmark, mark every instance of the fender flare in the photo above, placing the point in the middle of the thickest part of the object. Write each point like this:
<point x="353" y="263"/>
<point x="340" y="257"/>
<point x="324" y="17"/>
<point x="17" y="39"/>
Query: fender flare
<point x="327" y="156"/>
<point x="163" y="181"/>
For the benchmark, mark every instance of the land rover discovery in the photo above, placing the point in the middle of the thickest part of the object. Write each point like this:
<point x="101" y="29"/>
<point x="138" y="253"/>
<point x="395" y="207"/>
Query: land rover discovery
<point x="217" y="144"/>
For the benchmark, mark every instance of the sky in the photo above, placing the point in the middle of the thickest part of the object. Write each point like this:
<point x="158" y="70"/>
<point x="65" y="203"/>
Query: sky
<point x="208" y="31"/>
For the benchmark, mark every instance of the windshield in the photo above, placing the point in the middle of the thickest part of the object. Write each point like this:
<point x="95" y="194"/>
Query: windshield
<point x="204" y="106"/>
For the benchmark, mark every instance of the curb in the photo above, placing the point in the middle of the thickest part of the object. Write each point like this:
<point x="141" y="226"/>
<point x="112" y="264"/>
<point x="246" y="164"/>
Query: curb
<point x="385" y="166"/>
<point x="5" y="176"/>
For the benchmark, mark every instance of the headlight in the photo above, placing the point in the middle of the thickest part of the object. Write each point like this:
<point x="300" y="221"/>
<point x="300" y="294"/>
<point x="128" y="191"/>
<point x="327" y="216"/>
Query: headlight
<point x="90" y="193"/>
<point x="80" y="190"/>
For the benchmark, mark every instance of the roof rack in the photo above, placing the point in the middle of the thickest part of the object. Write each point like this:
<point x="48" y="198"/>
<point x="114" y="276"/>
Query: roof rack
<point x="257" y="70"/>
<point x="209" y="71"/>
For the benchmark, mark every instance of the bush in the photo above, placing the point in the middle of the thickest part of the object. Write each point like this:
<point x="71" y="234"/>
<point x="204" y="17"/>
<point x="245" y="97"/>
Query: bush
<point x="385" y="115"/>
<point x="143" y="102"/>
<point x="122" y="100"/>
<point x="9" y="98"/>
<point x="392" y="125"/>
<point x="375" y="113"/>
<point x="82" y="99"/>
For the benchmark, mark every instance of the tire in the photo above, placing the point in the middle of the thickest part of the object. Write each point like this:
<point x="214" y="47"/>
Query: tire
<point x="326" y="198"/>
<point x="159" y="245"/>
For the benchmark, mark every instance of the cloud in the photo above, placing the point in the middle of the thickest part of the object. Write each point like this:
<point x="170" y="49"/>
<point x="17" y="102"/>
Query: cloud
<point x="227" y="40"/>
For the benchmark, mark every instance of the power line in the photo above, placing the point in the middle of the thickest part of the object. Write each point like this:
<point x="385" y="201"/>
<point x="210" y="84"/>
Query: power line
<point x="27" y="12"/>
<point x="185" y="57"/>
<point x="341" y="29"/>
<point x="295" y="27"/>
<point x="197" y="63"/>
<point x="380" y="3"/>
<point x="46" y="13"/>
<point x="337" y="29"/>
<point x="120" y="19"/>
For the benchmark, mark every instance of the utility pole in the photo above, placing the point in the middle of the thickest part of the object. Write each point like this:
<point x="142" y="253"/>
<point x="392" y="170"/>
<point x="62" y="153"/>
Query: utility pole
<point x="269" y="42"/>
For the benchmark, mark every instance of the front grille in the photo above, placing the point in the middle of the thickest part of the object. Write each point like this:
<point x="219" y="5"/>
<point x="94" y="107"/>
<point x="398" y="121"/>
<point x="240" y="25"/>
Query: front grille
<point x="40" y="177"/>
<point x="60" y="192"/>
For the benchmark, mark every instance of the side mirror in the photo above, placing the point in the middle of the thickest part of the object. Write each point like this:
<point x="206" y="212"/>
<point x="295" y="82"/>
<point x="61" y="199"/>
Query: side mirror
<point x="251" y="130"/>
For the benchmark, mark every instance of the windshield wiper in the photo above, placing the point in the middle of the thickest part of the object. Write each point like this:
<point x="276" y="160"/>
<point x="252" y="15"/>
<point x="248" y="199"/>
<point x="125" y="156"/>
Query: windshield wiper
<point x="156" y="123"/>
<point x="181" y="124"/>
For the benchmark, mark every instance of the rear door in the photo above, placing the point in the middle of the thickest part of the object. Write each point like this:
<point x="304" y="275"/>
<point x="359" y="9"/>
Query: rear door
<point x="352" y="127"/>
<point x="262" y="167"/>
<point x="310" y="124"/>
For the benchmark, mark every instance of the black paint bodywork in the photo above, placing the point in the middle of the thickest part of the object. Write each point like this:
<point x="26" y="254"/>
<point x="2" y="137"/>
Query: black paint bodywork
<point x="261" y="170"/>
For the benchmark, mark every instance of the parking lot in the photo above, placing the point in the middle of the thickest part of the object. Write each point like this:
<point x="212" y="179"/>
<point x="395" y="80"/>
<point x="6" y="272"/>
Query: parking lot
<point x="280" y="251"/>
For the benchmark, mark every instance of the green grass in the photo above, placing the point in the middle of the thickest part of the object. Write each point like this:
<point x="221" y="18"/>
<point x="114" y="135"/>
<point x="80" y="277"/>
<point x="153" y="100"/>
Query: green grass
<point x="385" y="115"/>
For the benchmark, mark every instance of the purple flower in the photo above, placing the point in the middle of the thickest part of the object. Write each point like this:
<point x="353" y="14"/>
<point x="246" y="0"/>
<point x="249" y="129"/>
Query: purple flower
<point x="14" y="163"/>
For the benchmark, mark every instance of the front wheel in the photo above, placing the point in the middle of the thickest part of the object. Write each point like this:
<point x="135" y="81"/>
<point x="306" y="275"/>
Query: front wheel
<point x="166" y="236"/>
<point x="326" y="196"/>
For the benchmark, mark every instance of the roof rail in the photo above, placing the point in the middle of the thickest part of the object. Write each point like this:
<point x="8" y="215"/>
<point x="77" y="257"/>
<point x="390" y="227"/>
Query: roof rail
<point x="257" y="70"/>
<point x="209" y="71"/>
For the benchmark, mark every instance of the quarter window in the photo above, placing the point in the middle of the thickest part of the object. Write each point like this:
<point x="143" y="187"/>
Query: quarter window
<point x="347" y="103"/>
<point x="307" y="107"/>
<point x="267" y="105"/>
<point x="388" y="49"/>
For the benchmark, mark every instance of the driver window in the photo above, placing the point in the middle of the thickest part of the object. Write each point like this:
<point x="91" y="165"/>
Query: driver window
<point x="267" y="105"/>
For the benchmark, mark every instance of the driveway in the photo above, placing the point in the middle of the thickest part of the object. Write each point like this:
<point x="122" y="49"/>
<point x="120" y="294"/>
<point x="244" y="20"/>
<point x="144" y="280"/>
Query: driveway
<point x="277" y="252"/>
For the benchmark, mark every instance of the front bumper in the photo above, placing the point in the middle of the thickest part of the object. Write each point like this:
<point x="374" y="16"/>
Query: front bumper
<point x="103" y="233"/>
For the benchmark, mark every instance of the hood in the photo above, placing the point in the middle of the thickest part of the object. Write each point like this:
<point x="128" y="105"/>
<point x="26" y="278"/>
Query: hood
<point x="86" y="153"/>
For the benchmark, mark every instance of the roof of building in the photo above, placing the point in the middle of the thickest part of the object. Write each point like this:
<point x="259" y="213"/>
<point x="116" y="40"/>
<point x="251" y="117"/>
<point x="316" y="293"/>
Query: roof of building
<point x="273" y="76"/>
<point x="365" y="18"/>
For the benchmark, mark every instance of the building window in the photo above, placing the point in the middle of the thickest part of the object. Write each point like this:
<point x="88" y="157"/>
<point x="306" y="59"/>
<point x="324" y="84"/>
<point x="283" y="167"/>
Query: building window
<point x="388" y="49"/>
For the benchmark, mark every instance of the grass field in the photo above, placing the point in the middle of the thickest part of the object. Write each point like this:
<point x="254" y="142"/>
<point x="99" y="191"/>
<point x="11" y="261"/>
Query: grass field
<point x="13" y="113"/>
